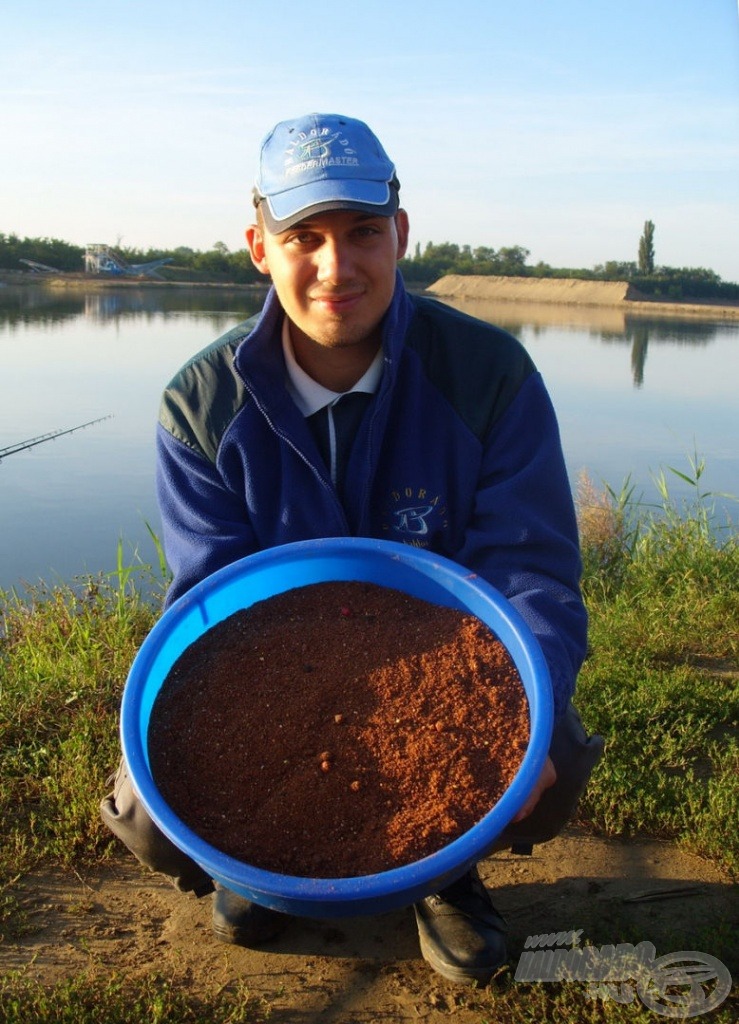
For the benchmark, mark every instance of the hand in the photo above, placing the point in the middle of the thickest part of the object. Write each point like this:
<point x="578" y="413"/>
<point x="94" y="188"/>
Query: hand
<point x="547" y="778"/>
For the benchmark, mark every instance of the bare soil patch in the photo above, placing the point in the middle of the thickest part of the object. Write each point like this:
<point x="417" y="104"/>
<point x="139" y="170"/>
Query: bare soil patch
<point x="368" y="970"/>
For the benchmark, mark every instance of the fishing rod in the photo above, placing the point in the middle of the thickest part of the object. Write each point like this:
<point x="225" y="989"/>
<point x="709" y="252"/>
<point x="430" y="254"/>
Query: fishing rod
<point x="22" y="446"/>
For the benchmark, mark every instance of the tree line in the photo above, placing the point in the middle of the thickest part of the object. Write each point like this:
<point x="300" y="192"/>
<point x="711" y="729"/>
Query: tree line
<point x="423" y="267"/>
<point x="216" y="264"/>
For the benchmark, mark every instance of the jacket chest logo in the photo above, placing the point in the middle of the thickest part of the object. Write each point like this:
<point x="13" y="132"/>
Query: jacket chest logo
<point x="414" y="515"/>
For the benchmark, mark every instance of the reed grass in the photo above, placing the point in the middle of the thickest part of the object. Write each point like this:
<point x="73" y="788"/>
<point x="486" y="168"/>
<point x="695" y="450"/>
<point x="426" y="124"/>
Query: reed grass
<point x="661" y="681"/>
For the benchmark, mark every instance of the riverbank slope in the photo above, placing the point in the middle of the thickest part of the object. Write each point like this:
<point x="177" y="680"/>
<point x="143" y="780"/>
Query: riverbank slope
<point x="571" y="291"/>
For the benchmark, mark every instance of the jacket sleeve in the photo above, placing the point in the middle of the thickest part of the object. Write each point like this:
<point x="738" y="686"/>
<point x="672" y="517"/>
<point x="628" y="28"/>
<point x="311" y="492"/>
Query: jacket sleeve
<point x="522" y="536"/>
<point x="205" y="525"/>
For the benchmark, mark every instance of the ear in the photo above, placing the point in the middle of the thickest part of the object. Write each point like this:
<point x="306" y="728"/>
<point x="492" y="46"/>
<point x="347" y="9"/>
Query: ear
<point x="402" y="227"/>
<point x="255" y="242"/>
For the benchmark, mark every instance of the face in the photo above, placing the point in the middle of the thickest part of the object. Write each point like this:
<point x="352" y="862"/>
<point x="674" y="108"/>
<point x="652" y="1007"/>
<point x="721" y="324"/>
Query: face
<point x="334" y="274"/>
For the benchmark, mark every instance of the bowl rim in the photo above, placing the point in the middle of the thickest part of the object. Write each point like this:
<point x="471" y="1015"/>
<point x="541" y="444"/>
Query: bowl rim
<point x="455" y="856"/>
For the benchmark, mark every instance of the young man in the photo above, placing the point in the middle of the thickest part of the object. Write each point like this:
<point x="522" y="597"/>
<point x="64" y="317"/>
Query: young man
<point x="349" y="407"/>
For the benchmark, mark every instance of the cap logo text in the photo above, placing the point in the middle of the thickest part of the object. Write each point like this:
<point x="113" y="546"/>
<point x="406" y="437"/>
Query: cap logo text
<point x="315" y="149"/>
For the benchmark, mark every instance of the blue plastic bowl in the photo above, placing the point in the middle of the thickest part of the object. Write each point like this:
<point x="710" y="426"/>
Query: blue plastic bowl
<point x="260" y="576"/>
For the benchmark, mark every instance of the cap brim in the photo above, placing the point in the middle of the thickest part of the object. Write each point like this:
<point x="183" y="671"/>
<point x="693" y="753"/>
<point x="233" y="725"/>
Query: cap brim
<point x="288" y="208"/>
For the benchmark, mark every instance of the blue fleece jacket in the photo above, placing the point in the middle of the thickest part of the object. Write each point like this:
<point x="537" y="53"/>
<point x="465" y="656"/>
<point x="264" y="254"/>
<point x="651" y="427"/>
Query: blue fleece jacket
<point x="458" y="452"/>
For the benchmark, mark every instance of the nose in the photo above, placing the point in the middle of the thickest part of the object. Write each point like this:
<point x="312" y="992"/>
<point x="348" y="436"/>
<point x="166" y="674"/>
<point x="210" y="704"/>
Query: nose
<point x="334" y="261"/>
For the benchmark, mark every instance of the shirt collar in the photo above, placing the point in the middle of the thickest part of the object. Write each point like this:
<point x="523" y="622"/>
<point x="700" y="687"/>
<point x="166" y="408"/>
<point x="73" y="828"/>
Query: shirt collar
<point x="308" y="394"/>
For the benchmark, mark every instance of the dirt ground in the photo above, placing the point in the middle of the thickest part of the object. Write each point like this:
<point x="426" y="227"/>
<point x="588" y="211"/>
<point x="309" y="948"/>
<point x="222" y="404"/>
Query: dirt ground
<point x="368" y="970"/>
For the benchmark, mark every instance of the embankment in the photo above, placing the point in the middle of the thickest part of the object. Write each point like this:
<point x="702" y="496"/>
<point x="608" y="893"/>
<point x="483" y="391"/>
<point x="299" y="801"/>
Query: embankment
<point x="571" y="291"/>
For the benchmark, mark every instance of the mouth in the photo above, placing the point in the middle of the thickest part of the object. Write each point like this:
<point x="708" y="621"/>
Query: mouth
<point x="337" y="303"/>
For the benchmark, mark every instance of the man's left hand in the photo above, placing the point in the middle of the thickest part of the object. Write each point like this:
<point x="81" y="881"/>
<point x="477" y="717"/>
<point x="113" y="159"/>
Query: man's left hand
<point x="547" y="778"/>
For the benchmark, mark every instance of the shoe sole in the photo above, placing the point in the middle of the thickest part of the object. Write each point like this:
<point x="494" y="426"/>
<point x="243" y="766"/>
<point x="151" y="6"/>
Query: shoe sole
<point x="453" y="972"/>
<point x="269" y="926"/>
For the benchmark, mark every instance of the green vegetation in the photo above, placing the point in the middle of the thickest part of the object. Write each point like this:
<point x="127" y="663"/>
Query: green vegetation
<point x="672" y="284"/>
<point x="661" y="683"/>
<point x="150" y="999"/>
<point x="220" y="266"/>
<point x="64" y="655"/>
<point x="217" y="265"/>
<point x="154" y="1000"/>
<point x="51" y="251"/>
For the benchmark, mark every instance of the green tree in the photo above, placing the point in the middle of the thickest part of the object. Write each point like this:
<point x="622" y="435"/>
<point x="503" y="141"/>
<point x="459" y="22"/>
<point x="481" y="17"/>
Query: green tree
<point x="513" y="260"/>
<point x="646" y="249"/>
<point x="616" y="270"/>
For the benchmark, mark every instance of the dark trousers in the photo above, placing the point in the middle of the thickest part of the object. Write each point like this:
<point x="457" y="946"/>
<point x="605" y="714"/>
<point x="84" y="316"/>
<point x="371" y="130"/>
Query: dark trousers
<point x="573" y="752"/>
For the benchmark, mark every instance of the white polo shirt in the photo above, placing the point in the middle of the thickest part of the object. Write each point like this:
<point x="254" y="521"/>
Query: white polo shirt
<point x="311" y="397"/>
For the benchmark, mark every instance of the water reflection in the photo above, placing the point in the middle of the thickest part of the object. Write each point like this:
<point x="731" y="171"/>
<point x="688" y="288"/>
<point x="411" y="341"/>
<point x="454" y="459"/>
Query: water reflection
<point x="50" y="305"/>
<point x="607" y="324"/>
<point x="632" y="394"/>
<point x="518" y="317"/>
<point x="638" y="332"/>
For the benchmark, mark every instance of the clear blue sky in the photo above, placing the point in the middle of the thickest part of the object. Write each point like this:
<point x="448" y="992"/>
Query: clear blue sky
<point x="558" y="125"/>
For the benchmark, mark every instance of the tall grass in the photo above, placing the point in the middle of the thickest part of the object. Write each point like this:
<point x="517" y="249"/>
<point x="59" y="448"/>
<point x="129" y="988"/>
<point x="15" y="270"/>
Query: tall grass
<point x="662" y="678"/>
<point x="65" y="653"/>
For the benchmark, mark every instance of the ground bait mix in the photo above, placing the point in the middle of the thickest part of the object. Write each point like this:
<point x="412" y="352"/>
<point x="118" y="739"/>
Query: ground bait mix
<point x="338" y="729"/>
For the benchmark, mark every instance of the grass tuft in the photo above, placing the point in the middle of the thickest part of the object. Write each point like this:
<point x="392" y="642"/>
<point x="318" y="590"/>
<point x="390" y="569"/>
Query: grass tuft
<point x="64" y="656"/>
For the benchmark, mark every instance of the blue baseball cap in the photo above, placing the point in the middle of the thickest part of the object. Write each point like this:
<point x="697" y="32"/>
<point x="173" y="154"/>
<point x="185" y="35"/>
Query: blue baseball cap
<point x="323" y="162"/>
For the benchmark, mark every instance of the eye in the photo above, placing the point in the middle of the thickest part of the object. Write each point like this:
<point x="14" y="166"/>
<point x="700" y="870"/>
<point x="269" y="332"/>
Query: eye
<point x="301" y="238"/>
<point x="366" y="230"/>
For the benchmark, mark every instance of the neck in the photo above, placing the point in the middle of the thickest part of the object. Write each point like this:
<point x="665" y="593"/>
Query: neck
<point x="336" y="367"/>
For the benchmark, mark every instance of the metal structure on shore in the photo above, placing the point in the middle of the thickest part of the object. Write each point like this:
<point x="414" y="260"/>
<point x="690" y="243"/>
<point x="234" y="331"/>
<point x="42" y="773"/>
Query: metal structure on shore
<point x="101" y="259"/>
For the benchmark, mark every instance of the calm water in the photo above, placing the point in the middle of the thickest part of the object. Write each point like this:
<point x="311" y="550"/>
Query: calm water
<point x="633" y="396"/>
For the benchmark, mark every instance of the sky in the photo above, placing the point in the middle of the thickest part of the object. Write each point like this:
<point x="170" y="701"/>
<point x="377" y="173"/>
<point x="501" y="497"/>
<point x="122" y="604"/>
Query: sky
<point x="557" y="125"/>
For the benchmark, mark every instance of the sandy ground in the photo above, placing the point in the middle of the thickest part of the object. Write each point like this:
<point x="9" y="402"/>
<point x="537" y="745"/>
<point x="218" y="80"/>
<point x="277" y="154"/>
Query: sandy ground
<point x="589" y="296"/>
<point x="531" y="289"/>
<point x="368" y="970"/>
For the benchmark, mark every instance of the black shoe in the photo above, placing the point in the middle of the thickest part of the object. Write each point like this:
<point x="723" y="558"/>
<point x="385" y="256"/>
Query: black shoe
<point x="243" y="923"/>
<point x="462" y="934"/>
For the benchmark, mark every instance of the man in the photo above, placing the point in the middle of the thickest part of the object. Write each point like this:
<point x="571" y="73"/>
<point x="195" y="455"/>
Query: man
<point x="349" y="407"/>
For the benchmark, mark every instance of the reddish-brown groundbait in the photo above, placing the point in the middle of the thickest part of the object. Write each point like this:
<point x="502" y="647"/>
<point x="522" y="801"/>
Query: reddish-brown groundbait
<point x="338" y="729"/>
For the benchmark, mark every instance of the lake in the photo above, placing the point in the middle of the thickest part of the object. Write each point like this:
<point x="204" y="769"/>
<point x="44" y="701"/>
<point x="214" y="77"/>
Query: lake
<point x="634" y="395"/>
